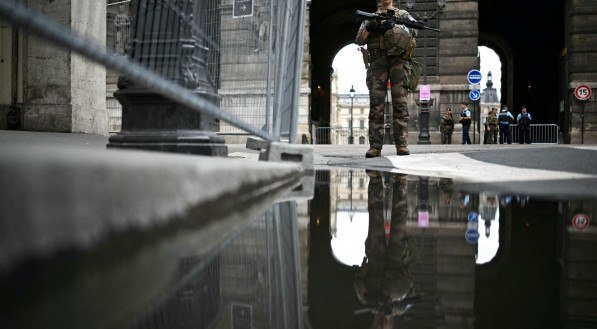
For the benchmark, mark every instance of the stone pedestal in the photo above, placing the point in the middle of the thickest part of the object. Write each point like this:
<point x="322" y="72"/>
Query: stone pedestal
<point x="178" y="53"/>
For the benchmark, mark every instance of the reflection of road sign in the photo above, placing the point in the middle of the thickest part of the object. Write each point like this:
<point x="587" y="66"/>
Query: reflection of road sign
<point x="423" y="218"/>
<point x="471" y="236"/>
<point x="242" y="8"/>
<point x="474" y="95"/>
<point x="473" y="216"/>
<point x="424" y="92"/>
<point x="582" y="92"/>
<point x="474" y="77"/>
<point x="580" y="221"/>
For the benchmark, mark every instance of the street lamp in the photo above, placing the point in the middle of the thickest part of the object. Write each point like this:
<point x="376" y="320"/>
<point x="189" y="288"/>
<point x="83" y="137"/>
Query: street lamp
<point x="424" y="137"/>
<point x="351" y="93"/>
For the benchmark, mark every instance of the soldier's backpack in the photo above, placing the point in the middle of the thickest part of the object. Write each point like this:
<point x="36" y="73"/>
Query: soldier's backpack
<point x="415" y="69"/>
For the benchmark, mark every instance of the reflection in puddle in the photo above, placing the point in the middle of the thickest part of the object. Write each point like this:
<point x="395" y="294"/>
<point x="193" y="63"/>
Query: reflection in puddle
<point x="369" y="250"/>
<point x="394" y="251"/>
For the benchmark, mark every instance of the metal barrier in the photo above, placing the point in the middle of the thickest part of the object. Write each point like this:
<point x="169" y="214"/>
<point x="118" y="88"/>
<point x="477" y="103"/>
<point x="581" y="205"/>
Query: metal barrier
<point x="252" y="282"/>
<point x="340" y="136"/>
<point x="540" y="133"/>
<point x="255" y="60"/>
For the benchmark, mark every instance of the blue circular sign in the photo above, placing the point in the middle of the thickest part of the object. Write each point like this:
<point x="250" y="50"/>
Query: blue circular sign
<point x="474" y="77"/>
<point x="474" y="95"/>
<point x="472" y="236"/>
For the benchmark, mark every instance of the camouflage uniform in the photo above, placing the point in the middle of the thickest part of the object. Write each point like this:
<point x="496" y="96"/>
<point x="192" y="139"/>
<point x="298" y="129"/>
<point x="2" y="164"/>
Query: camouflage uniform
<point x="384" y="280"/>
<point x="384" y="65"/>
<point x="446" y="128"/>
<point x="492" y="125"/>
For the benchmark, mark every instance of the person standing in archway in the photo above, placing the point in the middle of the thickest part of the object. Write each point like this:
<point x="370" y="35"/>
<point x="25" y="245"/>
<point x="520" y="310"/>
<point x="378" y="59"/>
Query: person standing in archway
<point x="390" y="46"/>
<point x="524" y="121"/>
<point x="504" y="119"/>
<point x="465" y="120"/>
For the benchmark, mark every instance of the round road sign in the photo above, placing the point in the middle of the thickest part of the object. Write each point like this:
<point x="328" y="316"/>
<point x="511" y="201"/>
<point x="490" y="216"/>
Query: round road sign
<point x="580" y="221"/>
<point x="582" y="92"/>
<point x="472" y="236"/>
<point x="474" y="77"/>
<point x="474" y="95"/>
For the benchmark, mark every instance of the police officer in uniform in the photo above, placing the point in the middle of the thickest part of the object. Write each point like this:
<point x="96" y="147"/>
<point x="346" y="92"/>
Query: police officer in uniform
<point x="504" y="119"/>
<point x="390" y="47"/>
<point x="465" y="120"/>
<point x="524" y="122"/>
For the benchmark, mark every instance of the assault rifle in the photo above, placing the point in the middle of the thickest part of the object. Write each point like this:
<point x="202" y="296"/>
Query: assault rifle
<point x="360" y="15"/>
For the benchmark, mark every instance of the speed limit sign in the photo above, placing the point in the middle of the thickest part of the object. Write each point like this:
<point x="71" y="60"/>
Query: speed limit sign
<point x="582" y="92"/>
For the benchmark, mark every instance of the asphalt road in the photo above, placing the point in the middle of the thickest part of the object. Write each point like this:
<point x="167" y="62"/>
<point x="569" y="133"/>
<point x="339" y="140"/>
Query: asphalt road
<point x="551" y="171"/>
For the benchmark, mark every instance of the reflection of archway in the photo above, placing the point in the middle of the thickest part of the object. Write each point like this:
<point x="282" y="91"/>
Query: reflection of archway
<point x="504" y="51"/>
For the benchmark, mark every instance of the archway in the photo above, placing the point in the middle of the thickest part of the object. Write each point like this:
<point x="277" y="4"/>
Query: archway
<point x="528" y="36"/>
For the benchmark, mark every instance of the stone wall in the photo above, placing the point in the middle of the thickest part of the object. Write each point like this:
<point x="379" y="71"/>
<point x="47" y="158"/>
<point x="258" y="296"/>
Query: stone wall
<point x="63" y="91"/>
<point x="581" y="57"/>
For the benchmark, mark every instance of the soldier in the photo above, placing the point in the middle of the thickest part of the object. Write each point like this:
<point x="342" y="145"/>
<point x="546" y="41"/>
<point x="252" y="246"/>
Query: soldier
<point x="504" y="119"/>
<point x="384" y="282"/>
<point x="390" y="47"/>
<point x="524" y="121"/>
<point x="447" y="127"/>
<point x="492" y="126"/>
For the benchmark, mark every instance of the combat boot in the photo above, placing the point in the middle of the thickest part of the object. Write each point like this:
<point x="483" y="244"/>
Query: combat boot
<point x="402" y="150"/>
<point x="373" y="153"/>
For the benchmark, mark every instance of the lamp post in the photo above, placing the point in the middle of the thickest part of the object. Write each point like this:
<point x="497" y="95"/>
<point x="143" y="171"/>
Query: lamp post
<point x="424" y="137"/>
<point x="351" y="137"/>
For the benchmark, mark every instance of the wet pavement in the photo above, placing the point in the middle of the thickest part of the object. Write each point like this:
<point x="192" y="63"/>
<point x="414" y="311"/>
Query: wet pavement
<point x="449" y="237"/>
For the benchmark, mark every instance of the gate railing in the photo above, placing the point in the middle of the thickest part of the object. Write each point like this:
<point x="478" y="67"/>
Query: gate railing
<point x="540" y="133"/>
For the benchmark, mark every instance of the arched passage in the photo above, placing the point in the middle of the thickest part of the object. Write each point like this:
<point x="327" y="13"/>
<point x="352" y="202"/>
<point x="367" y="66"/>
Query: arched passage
<point x="332" y="28"/>
<point x="528" y="36"/>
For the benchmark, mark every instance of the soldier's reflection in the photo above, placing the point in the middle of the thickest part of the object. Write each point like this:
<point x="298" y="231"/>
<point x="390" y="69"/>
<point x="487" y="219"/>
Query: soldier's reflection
<point x="383" y="282"/>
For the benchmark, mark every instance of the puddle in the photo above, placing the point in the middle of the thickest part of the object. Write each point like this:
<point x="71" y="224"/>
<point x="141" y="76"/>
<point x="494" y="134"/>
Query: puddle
<point x="395" y="251"/>
<point x="369" y="250"/>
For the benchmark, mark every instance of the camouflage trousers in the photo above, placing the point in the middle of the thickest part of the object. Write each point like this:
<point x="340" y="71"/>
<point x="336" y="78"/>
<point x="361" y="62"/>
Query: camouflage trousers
<point x="382" y="68"/>
<point x="385" y="275"/>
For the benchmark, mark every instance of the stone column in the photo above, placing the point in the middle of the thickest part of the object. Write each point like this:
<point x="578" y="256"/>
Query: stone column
<point x="63" y="91"/>
<point x="166" y="38"/>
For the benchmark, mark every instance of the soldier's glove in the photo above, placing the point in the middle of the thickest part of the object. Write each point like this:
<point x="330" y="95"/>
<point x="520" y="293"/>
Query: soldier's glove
<point x="373" y="26"/>
<point x="387" y="25"/>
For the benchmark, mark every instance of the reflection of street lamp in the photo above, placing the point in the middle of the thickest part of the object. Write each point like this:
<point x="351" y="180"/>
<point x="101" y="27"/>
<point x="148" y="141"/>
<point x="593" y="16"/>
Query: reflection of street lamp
<point x="351" y="213"/>
<point x="424" y="137"/>
<point x="351" y="137"/>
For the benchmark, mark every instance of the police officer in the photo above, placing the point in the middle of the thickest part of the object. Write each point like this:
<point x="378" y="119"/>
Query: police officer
<point x="504" y="119"/>
<point x="524" y="122"/>
<point x="447" y="127"/>
<point x="390" y="47"/>
<point x="465" y="120"/>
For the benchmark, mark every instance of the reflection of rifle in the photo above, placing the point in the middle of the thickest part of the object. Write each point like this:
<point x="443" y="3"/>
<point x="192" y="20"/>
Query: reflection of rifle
<point x="360" y="15"/>
<point x="389" y="308"/>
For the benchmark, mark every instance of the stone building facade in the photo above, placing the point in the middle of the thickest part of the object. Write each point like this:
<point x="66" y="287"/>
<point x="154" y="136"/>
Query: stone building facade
<point x="48" y="89"/>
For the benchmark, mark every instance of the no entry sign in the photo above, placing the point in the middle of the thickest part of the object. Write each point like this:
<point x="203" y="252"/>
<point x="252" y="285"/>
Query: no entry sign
<point x="582" y="92"/>
<point x="580" y="221"/>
